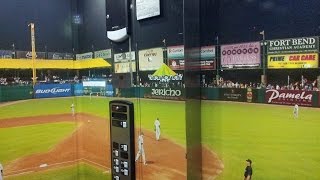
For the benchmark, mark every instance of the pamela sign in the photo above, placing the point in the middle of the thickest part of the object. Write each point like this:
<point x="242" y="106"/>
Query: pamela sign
<point x="289" y="97"/>
<point x="52" y="90"/>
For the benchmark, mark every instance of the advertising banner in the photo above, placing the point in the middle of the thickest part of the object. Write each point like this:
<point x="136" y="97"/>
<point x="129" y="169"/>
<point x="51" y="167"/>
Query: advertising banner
<point x="176" y="59"/>
<point x="175" y="52"/>
<point x="233" y="94"/>
<point x="52" y="90"/>
<point x="176" y="64"/>
<point x="242" y="55"/>
<point x="78" y="89"/>
<point x="208" y="58"/>
<point x="68" y="56"/>
<point x="124" y="57"/>
<point x="94" y="83"/>
<point x="293" y="45"/>
<point x="293" y="61"/>
<point x="109" y="90"/>
<point x="88" y="55"/>
<point x="28" y="55"/>
<point x="165" y="93"/>
<point x="94" y="87"/>
<point x="5" y="54"/>
<point x="57" y="56"/>
<point x="175" y="55"/>
<point x="289" y="97"/>
<point x="150" y="59"/>
<point x="104" y="54"/>
<point x="124" y="67"/>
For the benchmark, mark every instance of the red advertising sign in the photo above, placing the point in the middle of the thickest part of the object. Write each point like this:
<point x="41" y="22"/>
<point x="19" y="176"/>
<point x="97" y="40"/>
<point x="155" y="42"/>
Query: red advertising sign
<point x="176" y="59"/>
<point x="245" y="55"/>
<point x="176" y="64"/>
<point x="289" y="97"/>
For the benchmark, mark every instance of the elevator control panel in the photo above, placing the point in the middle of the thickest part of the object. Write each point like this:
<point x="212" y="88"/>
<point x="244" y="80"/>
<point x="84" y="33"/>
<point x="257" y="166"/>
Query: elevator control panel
<point x="122" y="140"/>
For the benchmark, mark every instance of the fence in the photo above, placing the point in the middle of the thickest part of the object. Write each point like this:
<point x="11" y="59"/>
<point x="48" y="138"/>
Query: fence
<point x="280" y="97"/>
<point x="14" y="93"/>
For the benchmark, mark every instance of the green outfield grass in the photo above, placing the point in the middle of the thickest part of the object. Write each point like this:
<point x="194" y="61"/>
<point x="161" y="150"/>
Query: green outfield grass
<point x="81" y="171"/>
<point x="26" y="140"/>
<point x="171" y="113"/>
<point x="279" y="146"/>
<point x="21" y="139"/>
<point x="37" y="107"/>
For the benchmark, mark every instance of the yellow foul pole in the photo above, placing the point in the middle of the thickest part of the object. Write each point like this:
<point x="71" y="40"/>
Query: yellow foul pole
<point x="33" y="52"/>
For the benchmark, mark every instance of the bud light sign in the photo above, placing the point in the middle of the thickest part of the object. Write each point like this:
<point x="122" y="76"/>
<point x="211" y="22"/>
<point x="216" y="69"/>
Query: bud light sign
<point x="52" y="90"/>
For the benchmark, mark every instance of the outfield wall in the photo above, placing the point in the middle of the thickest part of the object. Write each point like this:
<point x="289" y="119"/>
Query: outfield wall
<point x="280" y="97"/>
<point x="14" y="93"/>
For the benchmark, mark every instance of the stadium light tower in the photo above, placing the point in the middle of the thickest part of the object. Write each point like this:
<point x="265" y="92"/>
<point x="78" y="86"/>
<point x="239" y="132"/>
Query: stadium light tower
<point x="33" y="52"/>
<point x="263" y="51"/>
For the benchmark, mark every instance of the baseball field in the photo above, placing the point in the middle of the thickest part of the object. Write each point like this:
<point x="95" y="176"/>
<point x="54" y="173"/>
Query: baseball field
<point x="279" y="146"/>
<point x="40" y="139"/>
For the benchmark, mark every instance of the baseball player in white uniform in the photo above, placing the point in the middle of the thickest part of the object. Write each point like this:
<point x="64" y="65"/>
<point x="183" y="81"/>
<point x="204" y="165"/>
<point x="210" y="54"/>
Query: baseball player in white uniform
<point x="141" y="149"/>
<point x="157" y="128"/>
<point x="1" y="172"/>
<point x="72" y="109"/>
<point x="296" y="111"/>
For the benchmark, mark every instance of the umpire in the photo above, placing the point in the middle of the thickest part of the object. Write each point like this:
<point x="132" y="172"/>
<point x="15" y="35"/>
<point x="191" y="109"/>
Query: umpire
<point x="248" y="170"/>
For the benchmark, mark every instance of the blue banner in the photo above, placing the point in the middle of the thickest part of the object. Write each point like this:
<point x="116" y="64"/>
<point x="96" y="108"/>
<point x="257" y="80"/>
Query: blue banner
<point x="5" y="54"/>
<point x="52" y="90"/>
<point x="109" y="90"/>
<point x="78" y="89"/>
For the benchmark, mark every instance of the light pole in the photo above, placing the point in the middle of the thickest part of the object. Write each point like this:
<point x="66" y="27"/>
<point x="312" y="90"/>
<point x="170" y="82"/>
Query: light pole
<point x="33" y="52"/>
<point x="217" y="57"/>
<point x="165" y="58"/>
<point x="264" y="44"/>
<point x="130" y="62"/>
<point x="263" y="52"/>
<point x="13" y="54"/>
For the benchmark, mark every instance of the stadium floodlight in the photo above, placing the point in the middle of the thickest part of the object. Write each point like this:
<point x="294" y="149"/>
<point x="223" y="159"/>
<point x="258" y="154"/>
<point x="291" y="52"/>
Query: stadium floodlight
<point x="33" y="50"/>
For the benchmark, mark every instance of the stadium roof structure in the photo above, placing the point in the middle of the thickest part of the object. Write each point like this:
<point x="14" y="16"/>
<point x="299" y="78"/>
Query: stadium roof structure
<point x="53" y="64"/>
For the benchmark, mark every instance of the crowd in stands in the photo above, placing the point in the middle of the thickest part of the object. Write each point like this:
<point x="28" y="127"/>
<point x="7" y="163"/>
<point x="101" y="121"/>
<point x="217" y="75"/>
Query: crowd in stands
<point x="13" y="81"/>
<point x="303" y="84"/>
<point x="56" y="79"/>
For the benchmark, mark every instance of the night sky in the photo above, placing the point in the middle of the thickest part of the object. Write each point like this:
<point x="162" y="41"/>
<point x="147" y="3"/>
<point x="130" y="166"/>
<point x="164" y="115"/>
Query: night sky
<point x="242" y="20"/>
<point x="232" y="20"/>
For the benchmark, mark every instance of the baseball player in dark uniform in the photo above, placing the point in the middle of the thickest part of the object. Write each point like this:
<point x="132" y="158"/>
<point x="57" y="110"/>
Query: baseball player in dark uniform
<point x="248" y="170"/>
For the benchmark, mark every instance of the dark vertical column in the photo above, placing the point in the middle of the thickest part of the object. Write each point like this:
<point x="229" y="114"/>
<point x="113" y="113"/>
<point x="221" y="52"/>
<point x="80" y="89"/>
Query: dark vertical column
<point x="191" y="28"/>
